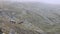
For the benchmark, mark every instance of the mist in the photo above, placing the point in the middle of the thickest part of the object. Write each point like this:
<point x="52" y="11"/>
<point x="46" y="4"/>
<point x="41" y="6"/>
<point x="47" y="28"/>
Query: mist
<point x="42" y="1"/>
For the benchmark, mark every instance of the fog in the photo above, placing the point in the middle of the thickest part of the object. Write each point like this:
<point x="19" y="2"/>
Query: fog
<point x="42" y="1"/>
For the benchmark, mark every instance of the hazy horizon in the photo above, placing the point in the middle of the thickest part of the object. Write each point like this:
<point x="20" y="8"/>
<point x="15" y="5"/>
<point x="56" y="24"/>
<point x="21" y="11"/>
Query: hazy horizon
<point x="42" y="1"/>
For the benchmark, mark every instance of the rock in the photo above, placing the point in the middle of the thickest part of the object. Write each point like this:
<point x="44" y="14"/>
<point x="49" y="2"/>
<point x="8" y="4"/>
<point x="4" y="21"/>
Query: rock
<point x="12" y="31"/>
<point x="1" y="31"/>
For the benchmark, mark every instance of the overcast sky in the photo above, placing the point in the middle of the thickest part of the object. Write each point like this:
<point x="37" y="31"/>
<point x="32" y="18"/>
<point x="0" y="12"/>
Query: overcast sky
<point x="43" y="1"/>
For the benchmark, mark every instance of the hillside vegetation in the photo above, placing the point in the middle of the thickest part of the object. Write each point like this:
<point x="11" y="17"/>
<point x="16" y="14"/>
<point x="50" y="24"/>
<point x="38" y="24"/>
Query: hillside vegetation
<point x="35" y="17"/>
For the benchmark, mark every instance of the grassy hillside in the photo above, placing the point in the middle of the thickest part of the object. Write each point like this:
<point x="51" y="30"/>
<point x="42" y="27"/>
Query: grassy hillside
<point x="35" y="18"/>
